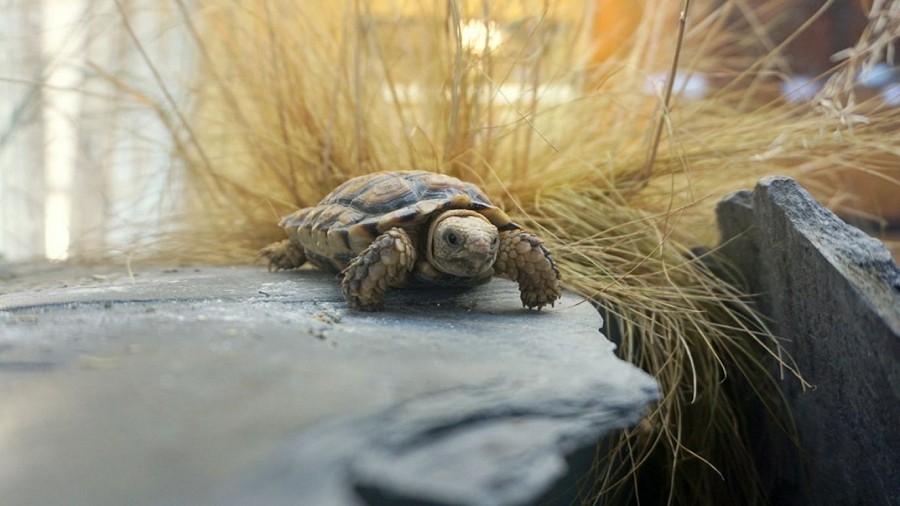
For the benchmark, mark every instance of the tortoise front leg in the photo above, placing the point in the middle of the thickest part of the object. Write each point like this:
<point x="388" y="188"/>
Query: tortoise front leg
<point x="386" y="262"/>
<point x="283" y="255"/>
<point x="524" y="259"/>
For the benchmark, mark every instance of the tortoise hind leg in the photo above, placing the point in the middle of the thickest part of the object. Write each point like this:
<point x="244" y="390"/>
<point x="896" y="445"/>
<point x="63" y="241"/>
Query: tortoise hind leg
<point x="385" y="263"/>
<point x="524" y="259"/>
<point x="283" y="255"/>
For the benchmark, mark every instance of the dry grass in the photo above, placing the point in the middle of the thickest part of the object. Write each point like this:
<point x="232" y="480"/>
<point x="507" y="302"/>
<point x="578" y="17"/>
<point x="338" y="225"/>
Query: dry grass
<point x="296" y="97"/>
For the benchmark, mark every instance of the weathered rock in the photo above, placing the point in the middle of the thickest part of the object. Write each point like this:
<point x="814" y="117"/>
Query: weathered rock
<point x="237" y="386"/>
<point x="834" y="295"/>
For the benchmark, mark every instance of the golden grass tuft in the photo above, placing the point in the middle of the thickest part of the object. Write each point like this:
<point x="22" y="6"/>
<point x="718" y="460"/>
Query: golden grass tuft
<point x="296" y="97"/>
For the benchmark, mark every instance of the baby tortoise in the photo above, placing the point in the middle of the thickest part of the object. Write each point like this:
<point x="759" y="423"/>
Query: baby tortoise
<point x="396" y="229"/>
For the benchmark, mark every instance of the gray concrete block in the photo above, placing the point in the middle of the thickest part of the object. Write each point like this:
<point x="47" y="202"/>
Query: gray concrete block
<point x="238" y="386"/>
<point x="834" y="295"/>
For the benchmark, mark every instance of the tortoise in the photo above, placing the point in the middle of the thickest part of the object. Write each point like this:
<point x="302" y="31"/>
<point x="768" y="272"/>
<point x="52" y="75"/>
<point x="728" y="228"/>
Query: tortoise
<point x="405" y="228"/>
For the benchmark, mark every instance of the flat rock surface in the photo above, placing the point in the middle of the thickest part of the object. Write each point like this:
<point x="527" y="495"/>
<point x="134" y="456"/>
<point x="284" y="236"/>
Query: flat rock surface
<point x="238" y="386"/>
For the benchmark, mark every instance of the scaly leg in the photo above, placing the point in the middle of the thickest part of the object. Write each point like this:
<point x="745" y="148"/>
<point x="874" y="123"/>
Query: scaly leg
<point x="386" y="262"/>
<point x="283" y="255"/>
<point x="524" y="259"/>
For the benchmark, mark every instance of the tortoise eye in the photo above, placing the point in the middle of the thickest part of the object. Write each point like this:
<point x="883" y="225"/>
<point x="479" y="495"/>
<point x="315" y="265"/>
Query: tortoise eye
<point x="452" y="238"/>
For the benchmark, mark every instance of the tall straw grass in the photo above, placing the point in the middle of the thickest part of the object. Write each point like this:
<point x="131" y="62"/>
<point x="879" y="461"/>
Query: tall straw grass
<point x="294" y="97"/>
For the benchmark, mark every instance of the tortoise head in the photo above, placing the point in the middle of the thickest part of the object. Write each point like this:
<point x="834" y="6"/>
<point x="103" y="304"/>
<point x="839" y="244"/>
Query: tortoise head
<point x="462" y="243"/>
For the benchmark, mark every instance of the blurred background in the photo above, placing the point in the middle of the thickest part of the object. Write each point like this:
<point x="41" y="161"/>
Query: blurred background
<point x="85" y="160"/>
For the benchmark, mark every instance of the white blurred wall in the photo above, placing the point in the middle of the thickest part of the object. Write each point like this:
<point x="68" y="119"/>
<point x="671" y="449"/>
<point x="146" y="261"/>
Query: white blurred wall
<point x="84" y="163"/>
<point x="22" y="192"/>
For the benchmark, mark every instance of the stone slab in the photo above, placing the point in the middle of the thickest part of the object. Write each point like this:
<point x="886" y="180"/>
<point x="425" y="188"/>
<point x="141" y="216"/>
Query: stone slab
<point x="833" y="293"/>
<point x="238" y="386"/>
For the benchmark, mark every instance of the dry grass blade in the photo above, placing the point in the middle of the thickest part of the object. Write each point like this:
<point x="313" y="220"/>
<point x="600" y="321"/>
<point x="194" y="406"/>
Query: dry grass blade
<point x="667" y="97"/>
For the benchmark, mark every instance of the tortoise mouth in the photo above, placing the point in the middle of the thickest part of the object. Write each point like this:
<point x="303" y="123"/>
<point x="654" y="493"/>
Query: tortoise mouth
<point x="462" y="246"/>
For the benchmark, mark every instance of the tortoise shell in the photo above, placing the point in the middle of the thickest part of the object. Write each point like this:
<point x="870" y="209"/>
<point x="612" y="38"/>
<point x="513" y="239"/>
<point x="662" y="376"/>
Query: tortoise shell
<point x="349" y="218"/>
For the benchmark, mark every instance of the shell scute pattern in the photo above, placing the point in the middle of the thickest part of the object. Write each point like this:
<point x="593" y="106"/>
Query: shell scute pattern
<point x="383" y="194"/>
<point x="374" y="195"/>
<point x="395" y="199"/>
